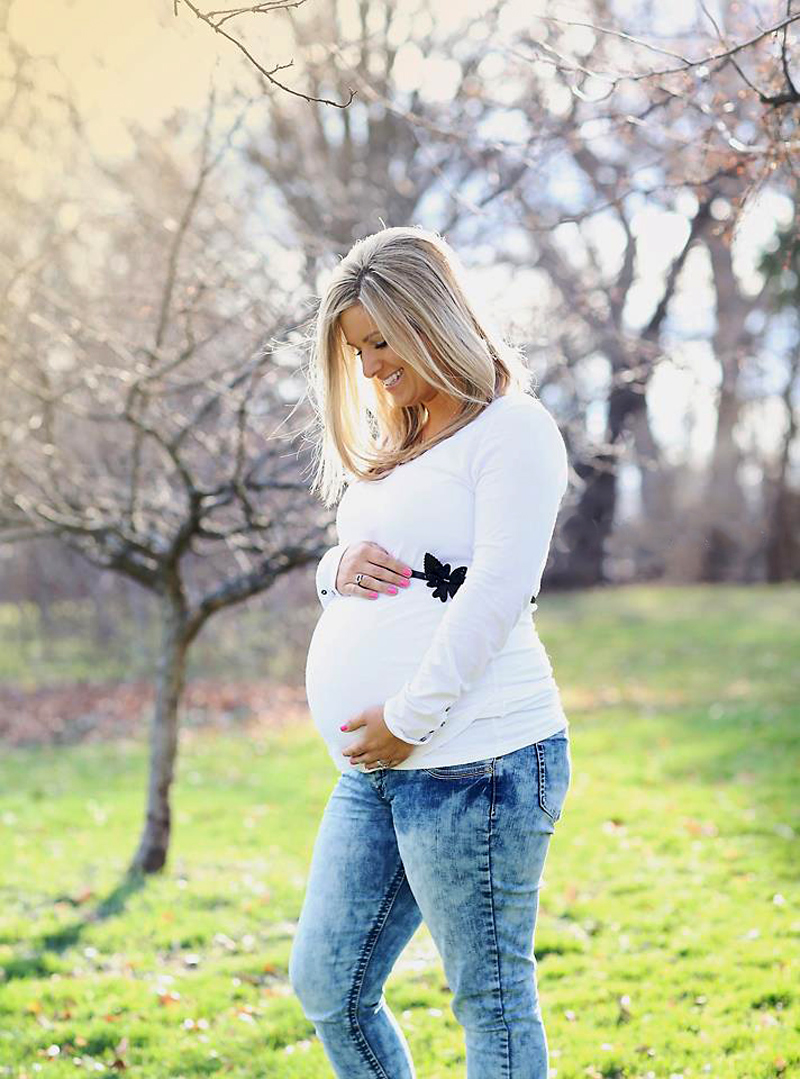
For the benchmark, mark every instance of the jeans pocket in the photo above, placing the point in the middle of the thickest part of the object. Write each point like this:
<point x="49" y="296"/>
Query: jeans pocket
<point x="462" y="771"/>
<point x="555" y="772"/>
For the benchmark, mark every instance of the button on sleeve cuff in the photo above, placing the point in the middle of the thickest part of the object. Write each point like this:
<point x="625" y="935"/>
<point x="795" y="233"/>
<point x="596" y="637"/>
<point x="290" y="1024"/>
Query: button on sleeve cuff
<point x="327" y="570"/>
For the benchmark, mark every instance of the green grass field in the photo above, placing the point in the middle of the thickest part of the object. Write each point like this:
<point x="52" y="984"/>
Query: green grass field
<point x="668" y="939"/>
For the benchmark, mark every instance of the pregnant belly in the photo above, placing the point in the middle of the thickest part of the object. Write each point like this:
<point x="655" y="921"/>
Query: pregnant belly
<point x="361" y="652"/>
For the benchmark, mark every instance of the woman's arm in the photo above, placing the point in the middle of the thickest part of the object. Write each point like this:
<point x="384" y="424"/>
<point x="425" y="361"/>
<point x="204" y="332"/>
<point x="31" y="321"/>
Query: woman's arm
<point x="520" y="475"/>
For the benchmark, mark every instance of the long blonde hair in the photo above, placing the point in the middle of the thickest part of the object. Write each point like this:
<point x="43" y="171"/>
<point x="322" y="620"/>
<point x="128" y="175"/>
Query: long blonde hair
<point x="410" y="281"/>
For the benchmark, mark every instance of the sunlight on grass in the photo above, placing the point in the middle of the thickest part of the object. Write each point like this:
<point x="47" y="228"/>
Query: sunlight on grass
<point x="669" y="930"/>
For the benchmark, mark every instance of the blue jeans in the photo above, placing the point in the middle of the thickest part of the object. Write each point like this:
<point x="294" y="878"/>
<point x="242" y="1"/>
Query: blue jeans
<point x="461" y="846"/>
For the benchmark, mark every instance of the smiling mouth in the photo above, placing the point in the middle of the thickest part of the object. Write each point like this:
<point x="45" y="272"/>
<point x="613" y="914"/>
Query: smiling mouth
<point x="393" y="379"/>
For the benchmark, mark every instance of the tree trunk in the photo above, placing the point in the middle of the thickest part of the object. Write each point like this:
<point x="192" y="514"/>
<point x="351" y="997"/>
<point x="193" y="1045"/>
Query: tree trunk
<point x="587" y="529"/>
<point x="154" y="843"/>
<point x="724" y="505"/>
<point x="782" y="547"/>
<point x="593" y="519"/>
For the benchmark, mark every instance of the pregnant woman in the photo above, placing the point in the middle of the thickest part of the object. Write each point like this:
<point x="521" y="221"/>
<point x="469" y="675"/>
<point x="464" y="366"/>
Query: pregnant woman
<point x="425" y="675"/>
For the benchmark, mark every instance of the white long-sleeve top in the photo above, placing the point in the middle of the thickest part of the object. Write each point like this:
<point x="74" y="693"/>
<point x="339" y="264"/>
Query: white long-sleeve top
<point x="466" y="678"/>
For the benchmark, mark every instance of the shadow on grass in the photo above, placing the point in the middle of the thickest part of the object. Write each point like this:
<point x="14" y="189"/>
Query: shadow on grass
<point x="36" y="963"/>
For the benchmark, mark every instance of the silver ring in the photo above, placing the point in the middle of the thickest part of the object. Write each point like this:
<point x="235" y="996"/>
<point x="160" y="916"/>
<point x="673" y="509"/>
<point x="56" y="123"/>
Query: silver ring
<point x="358" y="578"/>
<point x="381" y="764"/>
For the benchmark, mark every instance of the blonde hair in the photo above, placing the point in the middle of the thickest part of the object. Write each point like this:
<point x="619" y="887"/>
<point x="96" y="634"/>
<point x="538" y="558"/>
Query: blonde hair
<point x="410" y="282"/>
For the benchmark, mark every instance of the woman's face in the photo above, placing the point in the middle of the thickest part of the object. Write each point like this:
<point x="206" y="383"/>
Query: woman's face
<point x="378" y="360"/>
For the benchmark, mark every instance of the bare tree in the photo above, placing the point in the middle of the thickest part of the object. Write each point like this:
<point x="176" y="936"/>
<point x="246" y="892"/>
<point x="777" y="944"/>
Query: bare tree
<point x="692" y="125"/>
<point x="739" y="91"/>
<point x="143" y="426"/>
<point x="221" y="22"/>
<point x="401" y="152"/>
<point x="684" y="127"/>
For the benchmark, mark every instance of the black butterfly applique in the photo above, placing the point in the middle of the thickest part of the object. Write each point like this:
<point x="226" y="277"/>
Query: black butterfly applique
<point x="440" y="579"/>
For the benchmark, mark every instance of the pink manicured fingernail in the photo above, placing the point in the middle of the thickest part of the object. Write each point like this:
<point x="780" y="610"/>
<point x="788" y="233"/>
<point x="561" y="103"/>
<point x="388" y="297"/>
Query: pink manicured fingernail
<point x="373" y="595"/>
<point x="392" y="591"/>
<point x="407" y="572"/>
<point x="405" y="584"/>
<point x="343" y="727"/>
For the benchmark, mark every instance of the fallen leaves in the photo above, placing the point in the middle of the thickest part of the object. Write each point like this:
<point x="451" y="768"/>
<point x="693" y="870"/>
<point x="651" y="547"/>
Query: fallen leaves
<point x="95" y="712"/>
<point x="70" y="1048"/>
<point x="697" y="827"/>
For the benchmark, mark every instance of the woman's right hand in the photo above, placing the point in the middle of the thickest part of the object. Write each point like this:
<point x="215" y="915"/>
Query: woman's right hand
<point x="382" y="572"/>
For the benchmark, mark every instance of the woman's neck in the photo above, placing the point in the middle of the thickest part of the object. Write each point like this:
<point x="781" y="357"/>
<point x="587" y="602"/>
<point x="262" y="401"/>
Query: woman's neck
<point x="438" y="421"/>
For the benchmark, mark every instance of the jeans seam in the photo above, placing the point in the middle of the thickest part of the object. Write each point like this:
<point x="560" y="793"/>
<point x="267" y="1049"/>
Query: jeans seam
<point x="363" y="962"/>
<point x="540" y="758"/>
<point x="506" y="1062"/>
<point x="437" y="773"/>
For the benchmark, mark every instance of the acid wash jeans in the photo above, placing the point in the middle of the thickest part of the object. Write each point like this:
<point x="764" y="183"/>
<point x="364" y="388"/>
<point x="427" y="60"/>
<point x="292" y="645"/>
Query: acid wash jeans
<point x="461" y="846"/>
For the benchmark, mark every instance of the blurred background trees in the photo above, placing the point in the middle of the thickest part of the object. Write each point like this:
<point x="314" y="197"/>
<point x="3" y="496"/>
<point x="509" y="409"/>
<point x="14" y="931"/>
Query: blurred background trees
<point x="624" y="184"/>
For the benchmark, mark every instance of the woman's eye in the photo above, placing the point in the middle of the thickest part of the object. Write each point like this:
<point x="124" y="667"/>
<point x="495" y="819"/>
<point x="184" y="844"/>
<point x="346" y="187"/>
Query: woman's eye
<point x="379" y="344"/>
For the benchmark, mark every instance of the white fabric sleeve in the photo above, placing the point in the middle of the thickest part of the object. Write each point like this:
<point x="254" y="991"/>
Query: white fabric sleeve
<point x="519" y="474"/>
<point x="327" y="569"/>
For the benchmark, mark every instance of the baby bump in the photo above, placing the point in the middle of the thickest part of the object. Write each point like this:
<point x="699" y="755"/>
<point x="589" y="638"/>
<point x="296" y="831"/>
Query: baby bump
<point x="363" y="651"/>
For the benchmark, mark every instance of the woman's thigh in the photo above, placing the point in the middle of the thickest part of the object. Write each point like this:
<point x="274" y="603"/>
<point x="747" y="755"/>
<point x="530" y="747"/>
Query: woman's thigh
<point x="531" y="788"/>
<point x="474" y="840"/>
<point x="358" y="911"/>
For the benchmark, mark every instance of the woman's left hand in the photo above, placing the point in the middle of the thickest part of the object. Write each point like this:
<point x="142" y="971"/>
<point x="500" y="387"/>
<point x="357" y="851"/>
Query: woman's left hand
<point x="376" y="742"/>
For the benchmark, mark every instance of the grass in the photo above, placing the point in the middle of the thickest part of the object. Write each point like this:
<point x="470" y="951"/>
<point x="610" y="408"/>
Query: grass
<point x="668" y="938"/>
